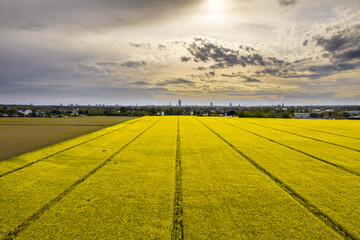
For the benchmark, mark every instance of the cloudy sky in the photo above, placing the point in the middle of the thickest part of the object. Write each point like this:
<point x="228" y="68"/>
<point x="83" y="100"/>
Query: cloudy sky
<point x="127" y="52"/>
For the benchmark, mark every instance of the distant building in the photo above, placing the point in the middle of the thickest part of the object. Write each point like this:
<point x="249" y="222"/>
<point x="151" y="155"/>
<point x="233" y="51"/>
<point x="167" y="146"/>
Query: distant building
<point x="27" y="112"/>
<point x="21" y="112"/>
<point x="211" y="104"/>
<point x="230" y="104"/>
<point x="301" y="115"/>
<point x="353" y="112"/>
<point x="179" y="103"/>
<point x="354" y="117"/>
<point x="306" y="115"/>
<point x="160" y="113"/>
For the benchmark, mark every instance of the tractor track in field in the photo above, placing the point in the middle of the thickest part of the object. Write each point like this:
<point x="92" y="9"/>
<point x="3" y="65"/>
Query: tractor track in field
<point x="25" y="224"/>
<point x="327" y="220"/>
<point x="315" y="130"/>
<point x="178" y="227"/>
<point x="64" y="150"/>
<point x="296" y="134"/>
<point x="297" y="150"/>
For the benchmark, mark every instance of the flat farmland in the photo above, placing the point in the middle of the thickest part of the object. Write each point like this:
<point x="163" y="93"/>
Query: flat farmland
<point x="21" y="135"/>
<point x="184" y="177"/>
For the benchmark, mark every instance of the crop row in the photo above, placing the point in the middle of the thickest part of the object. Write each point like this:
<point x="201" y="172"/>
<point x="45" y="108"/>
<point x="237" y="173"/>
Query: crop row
<point x="328" y="188"/>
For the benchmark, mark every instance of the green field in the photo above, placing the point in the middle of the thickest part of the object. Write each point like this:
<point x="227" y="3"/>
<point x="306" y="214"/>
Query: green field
<point x="189" y="178"/>
<point x="22" y="135"/>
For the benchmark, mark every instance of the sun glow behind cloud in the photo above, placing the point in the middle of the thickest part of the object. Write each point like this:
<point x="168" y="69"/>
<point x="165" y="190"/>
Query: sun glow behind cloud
<point x="213" y="12"/>
<point x="214" y="4"/>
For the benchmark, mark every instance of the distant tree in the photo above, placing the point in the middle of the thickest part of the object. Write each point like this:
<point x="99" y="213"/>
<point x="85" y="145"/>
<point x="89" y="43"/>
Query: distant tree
<point x="123" y="110"/>
<point x="177" y="111"/>
<point x="231" y="113"/>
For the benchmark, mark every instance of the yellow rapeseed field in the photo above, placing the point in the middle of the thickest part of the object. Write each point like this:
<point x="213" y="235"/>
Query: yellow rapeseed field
<point x="187" y="177"/>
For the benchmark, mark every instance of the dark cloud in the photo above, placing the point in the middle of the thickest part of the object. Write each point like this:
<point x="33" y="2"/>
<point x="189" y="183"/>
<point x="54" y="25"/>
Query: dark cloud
<point x="140" y="83"/>
<point x="342" y="45"/>
<point x="204" y="50"/>
<point x="275" y="61"/>
<point x="185" y="59"/>
<point x="108" y="71"/>
<point x="303" y="60"/>
<point x="351" y="54"/>
<point x="332" y="68"/>
<point x="293" y="72"/>
<point x="335" y="43"/>
<point x="214" y="81"/>
<point x="203" y="75"/>
<point x="247" y="48"/>
<point x="217" y="66"/>
<point x="252" y="80"/>
<point x="286" y="3"/>
<point x="270" y="71"/>
<point x="179" y="43"/>
<point x="136" y="45"/>
<point x="240" y="75"/>
<point x="232" y="75"/>
<point x="176" y="81"/>
<point x="140" y="45"/>
<point x="161" y="47"/>
<point x="133" y="64"/>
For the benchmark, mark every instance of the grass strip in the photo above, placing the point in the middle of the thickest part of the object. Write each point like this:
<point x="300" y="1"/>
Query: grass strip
<point x="64" y="150"/>
<point x="297" y="197"/>
<point x="315" y="139"/>
<point x="178" y="227"/>
<point x="297" y="150"/>
<point x="24" y="225"/>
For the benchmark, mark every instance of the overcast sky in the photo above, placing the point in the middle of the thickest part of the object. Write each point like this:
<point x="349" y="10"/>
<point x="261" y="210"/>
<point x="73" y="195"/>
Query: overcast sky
<point x="127" y="52"/>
